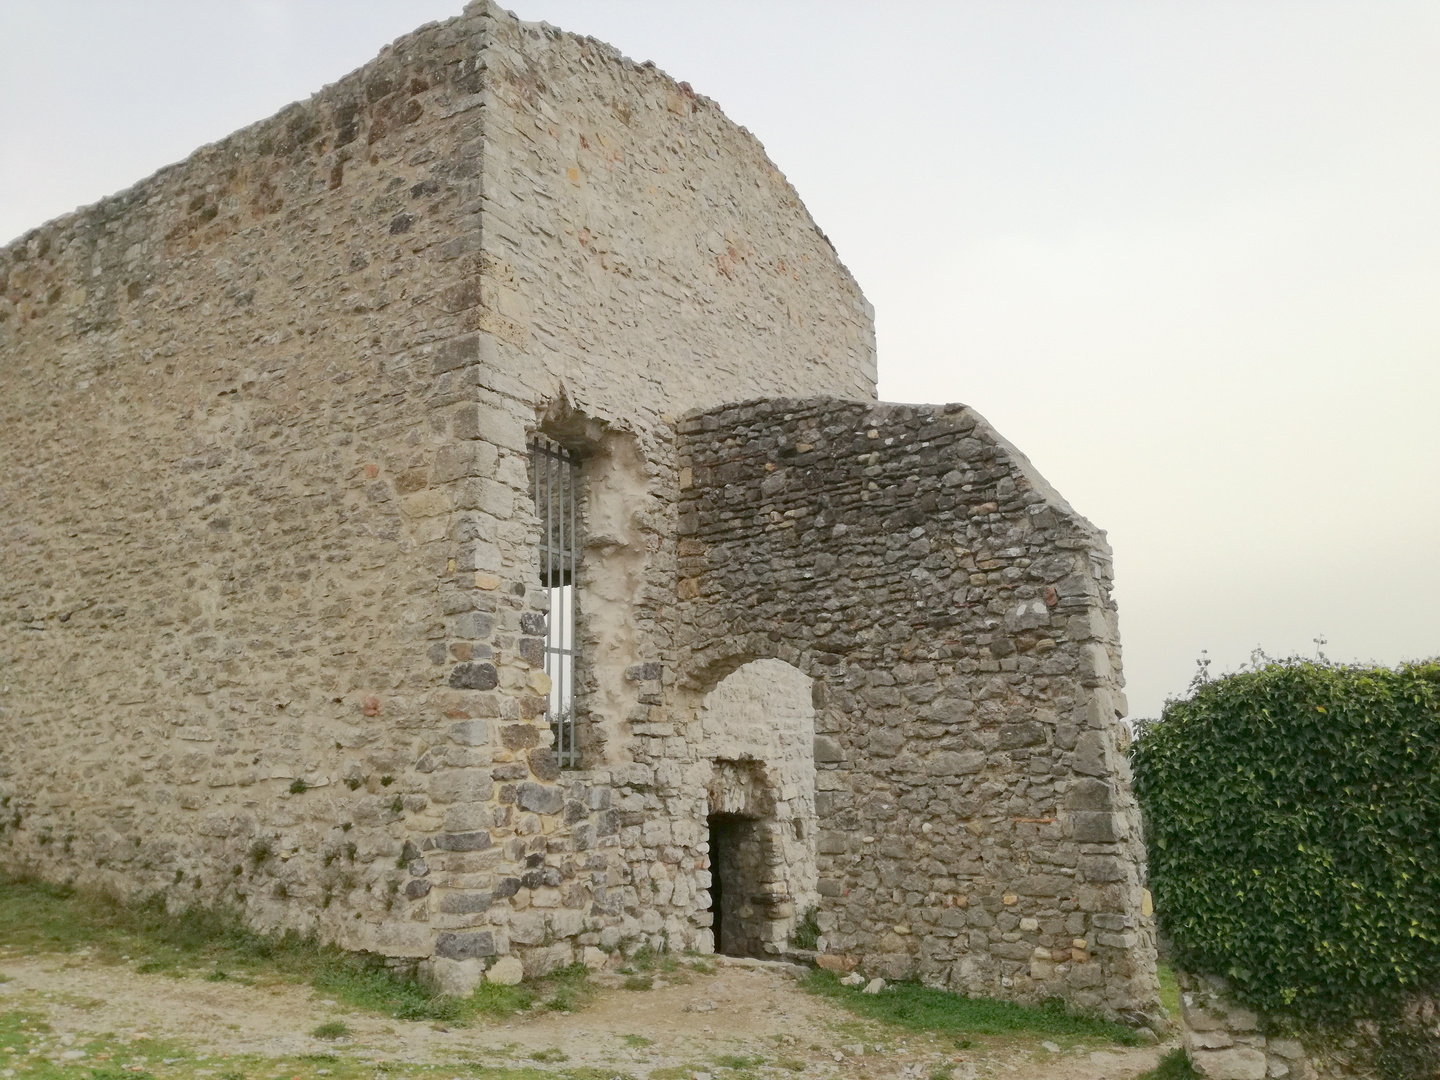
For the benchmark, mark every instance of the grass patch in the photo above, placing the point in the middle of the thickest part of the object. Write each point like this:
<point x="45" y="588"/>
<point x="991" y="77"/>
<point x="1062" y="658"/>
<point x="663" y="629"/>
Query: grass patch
<point x="920" y="1008"/>
<point x="37" y="917"/>
<point x="501" y="1002"/>
<point x="112" y="1057"/>
<point x="1173" y="1066"/>
<point x="639" y="982"/>
<point x="806" y="934"/>
<point x="736" y="1061"/>
<point x="567" y="990"/>
<point x="1169" y="989"/>
<point x="332" y="1029"/>
<point x="637" y="1041"/>
<point x="647" y="959"/>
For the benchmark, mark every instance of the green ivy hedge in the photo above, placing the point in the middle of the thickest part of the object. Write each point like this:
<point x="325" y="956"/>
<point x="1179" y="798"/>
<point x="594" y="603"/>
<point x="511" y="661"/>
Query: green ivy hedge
<point x="1293" y="820"/>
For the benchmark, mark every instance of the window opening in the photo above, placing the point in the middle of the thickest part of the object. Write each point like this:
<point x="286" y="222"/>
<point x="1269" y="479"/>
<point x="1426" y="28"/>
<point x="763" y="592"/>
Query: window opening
<point x="557" y="475"/>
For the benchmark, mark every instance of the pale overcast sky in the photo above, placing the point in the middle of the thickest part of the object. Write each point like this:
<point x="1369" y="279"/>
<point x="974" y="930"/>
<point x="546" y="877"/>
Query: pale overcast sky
<point x="1185" y="254"/>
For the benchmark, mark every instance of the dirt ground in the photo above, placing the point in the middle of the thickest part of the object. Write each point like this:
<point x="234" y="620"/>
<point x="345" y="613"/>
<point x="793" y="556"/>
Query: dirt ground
<point x="696" y="1030"/>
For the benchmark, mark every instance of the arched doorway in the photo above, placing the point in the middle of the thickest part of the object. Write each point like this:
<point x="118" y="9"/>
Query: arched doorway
<point x="758" y="726"/>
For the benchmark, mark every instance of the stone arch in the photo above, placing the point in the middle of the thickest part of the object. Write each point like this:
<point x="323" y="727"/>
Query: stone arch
<point x="757" y="733"/>
<point x="706" y="668"/>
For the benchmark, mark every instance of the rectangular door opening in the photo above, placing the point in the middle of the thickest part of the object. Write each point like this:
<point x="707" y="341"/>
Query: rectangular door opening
<point x="736" y="865"/>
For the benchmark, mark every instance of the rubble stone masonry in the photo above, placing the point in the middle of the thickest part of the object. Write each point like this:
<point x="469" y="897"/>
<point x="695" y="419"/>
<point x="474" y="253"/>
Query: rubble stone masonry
<point x="269" y="610"/>
<point x="271" y="615"/>
<point x="976" y="823"/>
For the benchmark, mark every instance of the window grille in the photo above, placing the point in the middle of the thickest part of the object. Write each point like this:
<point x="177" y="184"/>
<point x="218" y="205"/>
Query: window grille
<point x="557" y="482"/>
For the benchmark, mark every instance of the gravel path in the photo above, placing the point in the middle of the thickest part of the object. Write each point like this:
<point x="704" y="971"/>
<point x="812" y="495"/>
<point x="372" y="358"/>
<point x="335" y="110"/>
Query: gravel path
<point x="692" y="1026"/>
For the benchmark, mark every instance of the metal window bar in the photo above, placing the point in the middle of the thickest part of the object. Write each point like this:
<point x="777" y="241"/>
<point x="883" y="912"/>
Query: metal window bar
<point x="557" y="475"/>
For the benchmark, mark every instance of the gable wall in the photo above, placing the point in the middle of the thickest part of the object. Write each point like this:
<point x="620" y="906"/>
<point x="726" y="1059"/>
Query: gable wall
<point x="267" y="507"/>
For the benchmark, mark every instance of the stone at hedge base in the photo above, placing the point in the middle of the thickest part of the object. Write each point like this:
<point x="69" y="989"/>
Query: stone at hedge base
<point x="275" y="629"/>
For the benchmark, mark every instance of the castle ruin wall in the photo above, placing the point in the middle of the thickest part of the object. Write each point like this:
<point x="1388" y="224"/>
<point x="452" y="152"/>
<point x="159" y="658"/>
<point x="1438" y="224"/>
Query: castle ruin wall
<point x="977" y="829"/>
<point x="270" y="613"/>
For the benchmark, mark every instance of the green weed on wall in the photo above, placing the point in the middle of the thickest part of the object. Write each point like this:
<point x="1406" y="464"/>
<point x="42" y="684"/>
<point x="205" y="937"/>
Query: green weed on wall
<point x="1293" y="820"/>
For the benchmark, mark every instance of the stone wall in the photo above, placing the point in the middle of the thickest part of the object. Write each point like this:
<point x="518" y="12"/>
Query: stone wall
<point x="641" y="256"/>
<point x="271" y="617"/>
<point x="233" y="420"/>
<point x="1226" y="1041"/>
<point x="978" y="830"/>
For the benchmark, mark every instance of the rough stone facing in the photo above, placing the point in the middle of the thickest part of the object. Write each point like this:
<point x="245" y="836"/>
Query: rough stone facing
<point x="272" y="621"/>
<point x="1227" y="1042"/>
<point x="976" y="827"/>
<point x="270" y="605"/>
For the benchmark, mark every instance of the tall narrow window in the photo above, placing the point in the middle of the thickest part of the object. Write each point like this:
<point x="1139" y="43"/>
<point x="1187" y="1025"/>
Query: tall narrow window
<point x="557" y="475"/>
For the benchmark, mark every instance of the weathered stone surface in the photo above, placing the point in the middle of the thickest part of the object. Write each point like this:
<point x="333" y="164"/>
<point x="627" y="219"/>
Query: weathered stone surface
<point x="593" y="958"/>
<point x="464" y="945"/>
<point x="267" y="421"/>
<point x="871" y="547"/>
<point x="1286" y="1048"/>
<point x="1223" y="1039"/>
<point x="465" y="903"/>
<point x="453" y="978"/>
<point x="307" y="462"/>
<point x="1236" y="1063"/>
<point x="507" y="971"/>
<point x="467" y="841"/>
<point x="540" y="798"/>
<point x="474" y="676"/>
<point x="1209" y="1040"/>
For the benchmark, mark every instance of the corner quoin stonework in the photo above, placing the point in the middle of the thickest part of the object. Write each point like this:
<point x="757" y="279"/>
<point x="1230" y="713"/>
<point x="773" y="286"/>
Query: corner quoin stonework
<point x="976" y="824"/>
<point x="270" y="606"/>
<point x="270" y="619"/>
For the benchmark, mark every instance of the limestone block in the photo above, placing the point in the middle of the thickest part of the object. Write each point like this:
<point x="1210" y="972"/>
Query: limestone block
<point x="1235" y="1063"/>
<point x="462" y="945"/>
<point x="507" y="971"/>
<point x="1241" y="1019"/>
<point x="471" y="732"/>
<point x="566" y="922"/>
<point x="394" y="938"/>
<point x="1208" y="1040"/>
<point x="593" y="958"/>
<point x="952" y="763"/>
<point x="527" y="927"/>
<point x="1286" y="1048"/>
<point x="452" y="978"/>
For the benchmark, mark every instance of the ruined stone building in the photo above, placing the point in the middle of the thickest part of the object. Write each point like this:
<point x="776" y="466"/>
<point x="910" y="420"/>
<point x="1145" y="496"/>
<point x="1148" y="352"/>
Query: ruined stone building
<point x="453" y="517"/>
